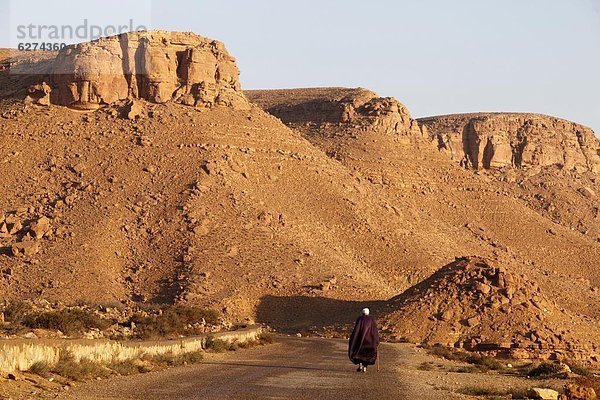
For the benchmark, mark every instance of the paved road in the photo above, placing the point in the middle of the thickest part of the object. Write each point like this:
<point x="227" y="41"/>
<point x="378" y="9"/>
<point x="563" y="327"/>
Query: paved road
<point x="292" y="368"/>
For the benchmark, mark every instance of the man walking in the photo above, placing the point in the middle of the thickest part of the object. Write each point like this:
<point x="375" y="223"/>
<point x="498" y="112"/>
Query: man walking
<point x="362" y="348"/>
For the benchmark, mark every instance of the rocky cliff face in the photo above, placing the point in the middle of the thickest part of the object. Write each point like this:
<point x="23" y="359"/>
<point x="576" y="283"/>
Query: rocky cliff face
<point x="157" y="66"/>
<point x="518" y="140"/>
<point x="354" y="109"/>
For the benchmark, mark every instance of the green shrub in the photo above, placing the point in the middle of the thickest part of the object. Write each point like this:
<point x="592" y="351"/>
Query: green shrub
<point x="68" y="321"/>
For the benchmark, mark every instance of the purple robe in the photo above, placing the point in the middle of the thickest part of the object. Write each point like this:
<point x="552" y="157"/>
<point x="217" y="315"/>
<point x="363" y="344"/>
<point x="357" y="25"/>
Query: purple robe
<point x="364" y="340"/>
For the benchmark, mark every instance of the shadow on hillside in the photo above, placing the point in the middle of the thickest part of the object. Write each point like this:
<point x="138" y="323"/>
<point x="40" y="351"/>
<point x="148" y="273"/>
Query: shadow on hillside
<point x="290" y="314"/>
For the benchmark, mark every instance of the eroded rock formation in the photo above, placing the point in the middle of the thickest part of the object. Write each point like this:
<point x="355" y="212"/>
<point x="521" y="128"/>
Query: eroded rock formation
<point x="157" y="66"/>
<point x="356" y="109"/>
<point x="510" y="139"/>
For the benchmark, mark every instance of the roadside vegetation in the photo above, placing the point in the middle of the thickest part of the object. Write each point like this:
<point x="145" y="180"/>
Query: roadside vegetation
<point x="71" y="369"/>
<point x="109" y="321"/>
<point x="564" y="372"/>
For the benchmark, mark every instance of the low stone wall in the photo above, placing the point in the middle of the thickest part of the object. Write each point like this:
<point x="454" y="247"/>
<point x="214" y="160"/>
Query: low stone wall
<point x="21" y="354"/>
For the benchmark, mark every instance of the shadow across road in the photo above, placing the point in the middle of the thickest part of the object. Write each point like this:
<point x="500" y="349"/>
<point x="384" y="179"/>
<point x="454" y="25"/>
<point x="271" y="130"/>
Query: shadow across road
<point x="290" y="314"/>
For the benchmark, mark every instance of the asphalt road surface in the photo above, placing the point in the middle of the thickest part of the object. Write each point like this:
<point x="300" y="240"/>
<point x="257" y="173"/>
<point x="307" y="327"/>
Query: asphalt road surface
<point x="292" y="368"/>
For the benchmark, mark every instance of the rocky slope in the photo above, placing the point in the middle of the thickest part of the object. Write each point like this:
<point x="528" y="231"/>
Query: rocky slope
<point x="453" y="210"/>
<point x="479" y="306"/>
<point x="495" y="140"/>
<point x="217" y="207"/>
<point x="552" y="164"/>
<point x="144" y="198"/>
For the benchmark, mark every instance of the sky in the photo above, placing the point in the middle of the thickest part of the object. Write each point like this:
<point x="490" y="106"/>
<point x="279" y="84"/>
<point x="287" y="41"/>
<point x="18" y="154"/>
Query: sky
<point x="435" y="56"/>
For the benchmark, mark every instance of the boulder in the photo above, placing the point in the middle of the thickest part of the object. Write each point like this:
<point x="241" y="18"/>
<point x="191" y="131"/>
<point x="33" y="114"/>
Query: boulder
<point x="157" y="66"/>
<point x="41" y="228"/>
<point x="26" y="248"/>
<point x="587" y="192"/>
<point x="134" y="110"/>
<point x="543" y="394"/>
<point x="39" y="94"/>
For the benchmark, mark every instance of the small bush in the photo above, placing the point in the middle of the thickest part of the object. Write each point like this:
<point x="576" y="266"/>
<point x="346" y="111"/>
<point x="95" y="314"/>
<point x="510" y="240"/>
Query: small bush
<point x="128" y="367"/>
<point x="165" y="359"/>
<point x="171" y="359"/>
<point x="68" y="321"/>
<point x="40" y="368"/>
<point x="426" y="366"/>
<point x="469" y="369"/>
<point x="215" y="345"/>
<point x="266" y="338"/>
<point x="545" y="369"/>
<point x="175" y="320"/>
<point x="444" y="352"/>
<point x="69" y="368"/>
<point x="579" y="369"/>
<point x="192" y="358"/>
<point x="15" y="311"/>
<point x="485" y="363"/>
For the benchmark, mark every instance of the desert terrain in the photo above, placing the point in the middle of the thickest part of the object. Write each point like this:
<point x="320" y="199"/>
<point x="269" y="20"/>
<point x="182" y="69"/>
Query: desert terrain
<point x="135" y="170"/>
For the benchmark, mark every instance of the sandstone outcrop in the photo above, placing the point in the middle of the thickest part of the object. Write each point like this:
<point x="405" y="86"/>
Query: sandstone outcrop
<point x="495" y="140"/>
<point x="157" y="66"/>
<point x="354" y="109"/>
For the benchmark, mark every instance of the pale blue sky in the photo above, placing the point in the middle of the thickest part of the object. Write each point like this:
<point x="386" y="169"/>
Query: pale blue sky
<point x="436" y="56"/>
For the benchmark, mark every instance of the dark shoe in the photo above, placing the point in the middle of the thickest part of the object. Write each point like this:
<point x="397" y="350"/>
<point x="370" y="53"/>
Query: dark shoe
<point x="359" y="369"/>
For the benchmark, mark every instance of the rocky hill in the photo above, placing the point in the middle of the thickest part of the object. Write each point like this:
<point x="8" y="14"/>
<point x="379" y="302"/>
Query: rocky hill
<point x="453" y="210"/>
<point x="135" y="170"/>
<point x="479" y="306"/>
<point x="552" y="163"/>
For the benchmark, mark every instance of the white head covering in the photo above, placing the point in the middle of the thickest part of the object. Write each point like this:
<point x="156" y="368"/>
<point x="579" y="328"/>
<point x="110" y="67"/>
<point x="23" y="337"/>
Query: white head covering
<point x="365" y="311"/>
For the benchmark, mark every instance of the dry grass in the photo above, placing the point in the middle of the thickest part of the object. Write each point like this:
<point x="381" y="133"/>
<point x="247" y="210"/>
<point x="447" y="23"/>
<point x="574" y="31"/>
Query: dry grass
<point x="41" y="368"/>
<point x="78" y="371"/>
<point x="481" y="362"/>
